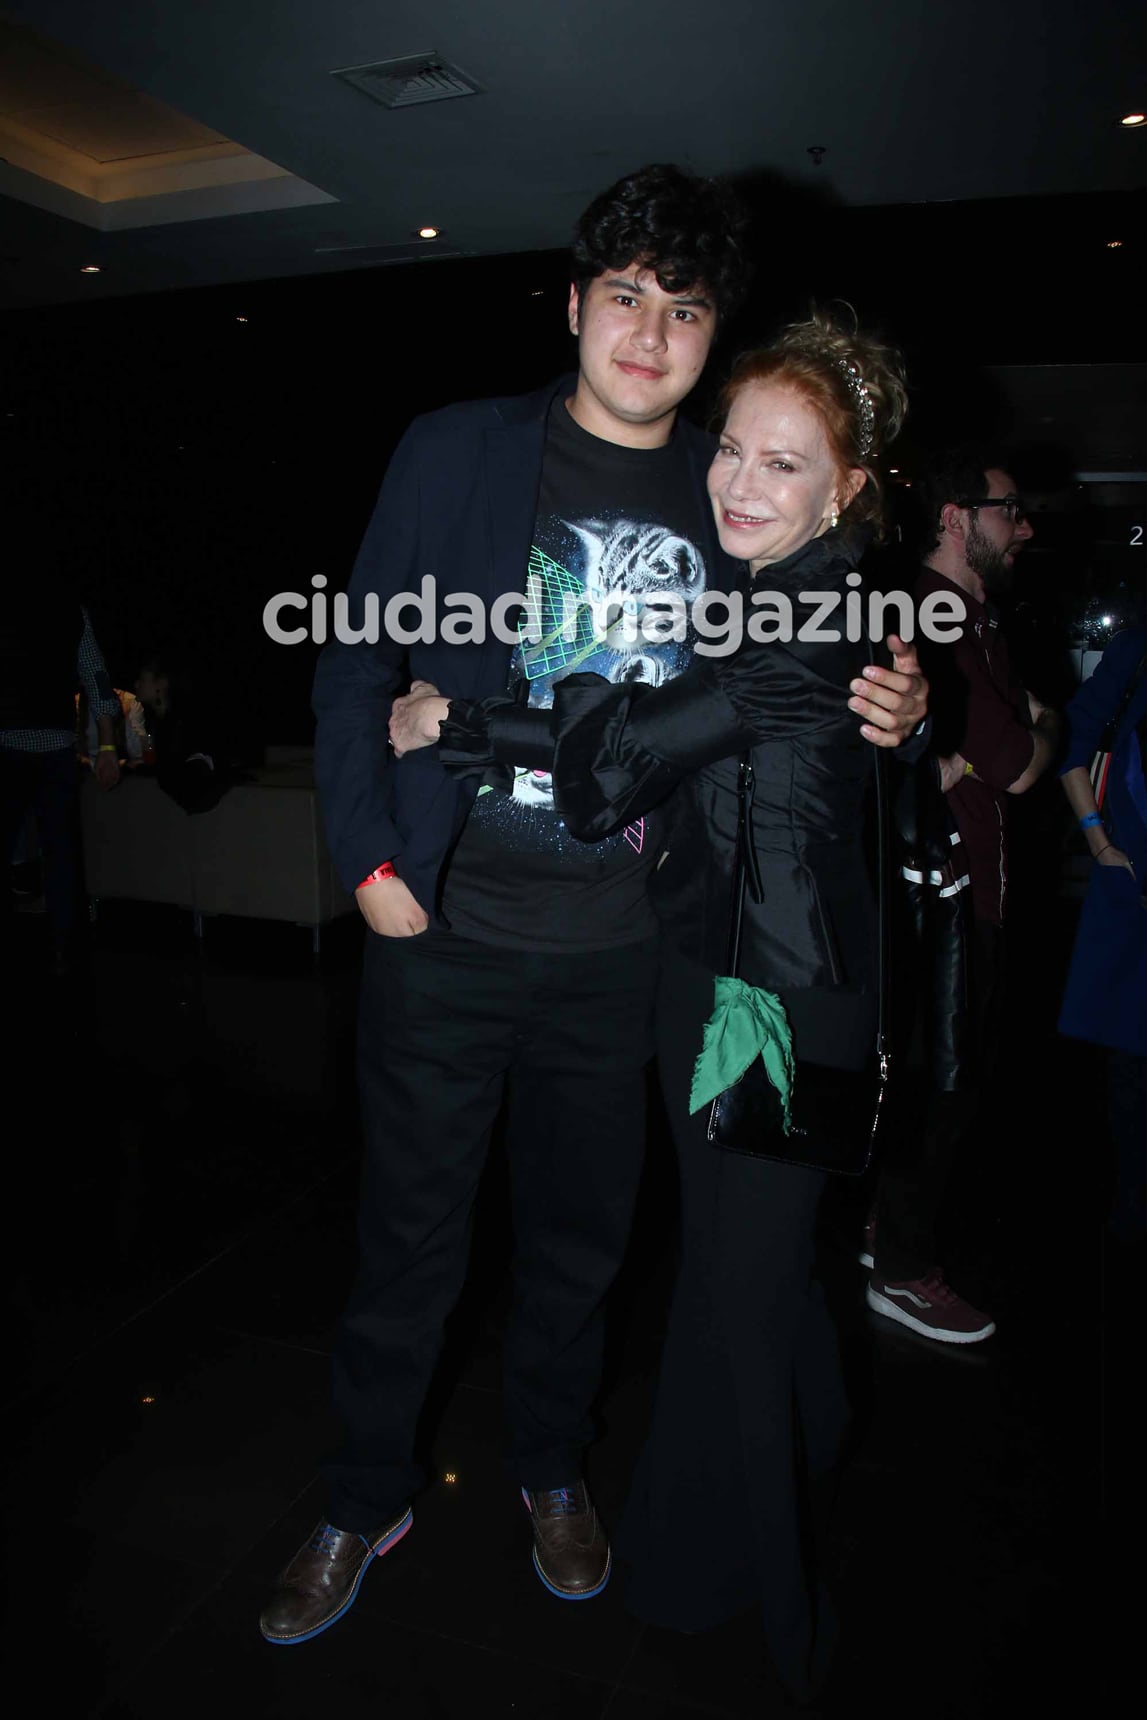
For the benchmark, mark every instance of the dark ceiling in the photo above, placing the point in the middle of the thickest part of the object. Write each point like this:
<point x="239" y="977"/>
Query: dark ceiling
<point x="910" y="101"/>
<point x="975" y="194"/>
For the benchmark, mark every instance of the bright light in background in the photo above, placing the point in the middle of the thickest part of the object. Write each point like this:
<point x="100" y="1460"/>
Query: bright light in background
<point x="1134" y="119"/>
<point x="1107" y="621"/>
<point x="240" y="319"/>
<point x="1114" y="244"/>
<point x="450" y="1477"/>
<point x="90" y="269"/>
<point x="428" y="232"/>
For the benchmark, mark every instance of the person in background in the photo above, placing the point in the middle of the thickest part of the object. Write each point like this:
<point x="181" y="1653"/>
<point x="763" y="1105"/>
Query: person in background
<point x="47" y="651"/>
<point x="191" y="756"/>
<point x="992" y="740"/>
<point x="133" y="743"/>
<point x="1105" y="999"/>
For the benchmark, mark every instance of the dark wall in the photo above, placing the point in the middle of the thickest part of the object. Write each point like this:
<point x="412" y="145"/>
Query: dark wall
<point x="186" y="464"/>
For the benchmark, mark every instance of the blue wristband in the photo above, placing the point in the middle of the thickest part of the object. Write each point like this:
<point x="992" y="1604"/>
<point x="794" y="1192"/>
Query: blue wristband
<point x="1089" y="821"/>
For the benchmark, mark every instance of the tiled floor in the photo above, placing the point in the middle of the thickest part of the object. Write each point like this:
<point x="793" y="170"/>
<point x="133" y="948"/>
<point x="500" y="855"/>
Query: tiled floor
<point x="180" y="1167"/>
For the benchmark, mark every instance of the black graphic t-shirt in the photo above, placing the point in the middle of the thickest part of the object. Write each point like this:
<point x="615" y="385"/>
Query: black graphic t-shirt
<point x="615" y="567"/>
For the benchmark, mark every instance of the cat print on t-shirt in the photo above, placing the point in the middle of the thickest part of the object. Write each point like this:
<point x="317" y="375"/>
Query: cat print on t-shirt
<point x="612" y="596"/>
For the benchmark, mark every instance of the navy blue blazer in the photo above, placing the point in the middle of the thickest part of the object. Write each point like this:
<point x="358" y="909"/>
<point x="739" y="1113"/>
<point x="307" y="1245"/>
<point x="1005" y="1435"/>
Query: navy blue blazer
<point x="457" y="504"/>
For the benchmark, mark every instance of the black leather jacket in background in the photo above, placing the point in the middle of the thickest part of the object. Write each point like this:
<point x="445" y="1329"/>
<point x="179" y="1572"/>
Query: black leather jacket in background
<point x="930" y="931"/>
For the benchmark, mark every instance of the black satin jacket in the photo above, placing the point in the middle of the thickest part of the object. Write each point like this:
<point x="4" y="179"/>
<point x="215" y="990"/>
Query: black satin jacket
<point x="619" y="750"/>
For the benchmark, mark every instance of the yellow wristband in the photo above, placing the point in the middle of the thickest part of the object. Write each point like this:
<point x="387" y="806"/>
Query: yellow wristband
<point x="106" y="749"/>
<point x="969" y="769"/>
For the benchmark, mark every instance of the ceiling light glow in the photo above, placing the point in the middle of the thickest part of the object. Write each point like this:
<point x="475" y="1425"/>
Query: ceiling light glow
<point x="1134" y="119"/>
<point x="428" y="232"/>
<point x="90" y="269"/>
<point x="1114" y="244"/>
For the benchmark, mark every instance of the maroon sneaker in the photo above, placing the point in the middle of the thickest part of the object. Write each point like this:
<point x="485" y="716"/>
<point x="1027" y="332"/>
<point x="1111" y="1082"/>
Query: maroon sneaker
<point x="931" y="1307"/>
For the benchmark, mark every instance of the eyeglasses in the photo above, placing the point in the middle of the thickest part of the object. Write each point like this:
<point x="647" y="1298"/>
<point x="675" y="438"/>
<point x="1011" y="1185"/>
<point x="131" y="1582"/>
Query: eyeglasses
<point x="1017" y="512"/>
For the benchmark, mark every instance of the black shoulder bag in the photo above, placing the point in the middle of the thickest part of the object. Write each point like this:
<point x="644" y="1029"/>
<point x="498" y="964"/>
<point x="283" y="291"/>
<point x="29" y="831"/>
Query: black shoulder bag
<point x="835" y="1112"/>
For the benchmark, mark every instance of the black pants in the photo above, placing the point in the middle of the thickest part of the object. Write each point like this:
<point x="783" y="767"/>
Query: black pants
<point x="447" y="1027"/>
<point x="926" y="1140"/>
<point x="750" y="1407"/>
<point x="46" y="784"/>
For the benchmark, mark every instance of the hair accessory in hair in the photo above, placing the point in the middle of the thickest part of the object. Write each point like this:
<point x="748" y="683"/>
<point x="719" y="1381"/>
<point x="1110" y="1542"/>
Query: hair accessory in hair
<point x="859" y="391"/>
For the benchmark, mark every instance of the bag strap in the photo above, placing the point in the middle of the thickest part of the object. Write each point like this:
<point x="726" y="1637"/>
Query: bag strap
<point x="883" y="915"/>
<point x="747" y="876"/>
<point x="745" y="787"/>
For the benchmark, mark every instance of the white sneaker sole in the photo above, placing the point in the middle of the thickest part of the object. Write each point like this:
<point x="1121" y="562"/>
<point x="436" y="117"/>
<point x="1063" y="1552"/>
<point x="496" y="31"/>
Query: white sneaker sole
<point x="883" y="1305"/>
<point x="866" y="1260"/>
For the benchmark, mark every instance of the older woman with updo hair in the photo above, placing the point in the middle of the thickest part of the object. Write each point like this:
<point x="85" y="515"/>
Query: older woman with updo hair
<point x="750" y="1406"/>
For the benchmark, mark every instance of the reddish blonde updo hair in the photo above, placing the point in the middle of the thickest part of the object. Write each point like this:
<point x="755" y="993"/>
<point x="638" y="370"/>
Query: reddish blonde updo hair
<point x="812" y="358"/>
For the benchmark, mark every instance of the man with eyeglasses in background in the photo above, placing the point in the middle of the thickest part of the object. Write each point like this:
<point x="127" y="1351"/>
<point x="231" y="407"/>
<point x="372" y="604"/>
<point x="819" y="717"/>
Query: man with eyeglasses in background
<point x="991" y="739"/>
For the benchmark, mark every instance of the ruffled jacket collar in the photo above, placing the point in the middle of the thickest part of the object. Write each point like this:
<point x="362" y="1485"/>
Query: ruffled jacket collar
<point x="843" y="544"/>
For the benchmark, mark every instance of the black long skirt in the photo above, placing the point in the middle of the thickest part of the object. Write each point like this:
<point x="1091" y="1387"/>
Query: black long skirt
<point x="750" y="1408"/>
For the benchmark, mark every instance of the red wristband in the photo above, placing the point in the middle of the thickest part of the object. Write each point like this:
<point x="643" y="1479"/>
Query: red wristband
<point x="379" y="875"/>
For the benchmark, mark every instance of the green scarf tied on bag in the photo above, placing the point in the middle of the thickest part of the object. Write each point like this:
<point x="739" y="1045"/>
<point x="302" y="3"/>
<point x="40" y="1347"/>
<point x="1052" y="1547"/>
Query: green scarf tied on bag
<point x="746" y="1023"/>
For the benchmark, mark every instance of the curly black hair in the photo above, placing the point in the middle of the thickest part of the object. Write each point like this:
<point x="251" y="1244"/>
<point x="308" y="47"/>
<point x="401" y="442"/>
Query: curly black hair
<point x="689" y="231"/>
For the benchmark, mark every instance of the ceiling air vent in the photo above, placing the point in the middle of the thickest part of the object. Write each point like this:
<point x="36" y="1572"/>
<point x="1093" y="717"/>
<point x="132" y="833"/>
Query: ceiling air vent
<point x="406" y="83"/>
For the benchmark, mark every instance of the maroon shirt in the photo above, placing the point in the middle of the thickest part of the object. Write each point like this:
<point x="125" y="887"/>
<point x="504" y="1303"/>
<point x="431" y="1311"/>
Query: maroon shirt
<point x="978" y="709"/>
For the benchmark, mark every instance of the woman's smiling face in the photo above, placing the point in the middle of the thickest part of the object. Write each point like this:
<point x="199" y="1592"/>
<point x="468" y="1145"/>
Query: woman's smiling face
<point x="775" y="481"/>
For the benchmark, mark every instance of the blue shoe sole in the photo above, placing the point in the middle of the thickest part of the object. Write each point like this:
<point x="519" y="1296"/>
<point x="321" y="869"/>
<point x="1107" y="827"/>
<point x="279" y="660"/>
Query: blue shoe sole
<point x="389" y="1540"/>
<point x="583" y="1594"/>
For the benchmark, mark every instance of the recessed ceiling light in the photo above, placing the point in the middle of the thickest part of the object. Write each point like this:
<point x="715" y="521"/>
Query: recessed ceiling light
<point x="893" y="470"/>
<point x="1134" y="119"/>
<point x="1114" y="244"/>
<point x="90" y="269"/>
<point x="428" y="232"/>
<point x="240" y="319"/>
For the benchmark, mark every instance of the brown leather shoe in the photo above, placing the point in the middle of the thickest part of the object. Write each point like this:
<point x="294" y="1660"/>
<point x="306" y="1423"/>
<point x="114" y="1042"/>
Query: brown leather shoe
<point x="323" y="1579"/>
<point x="571" y="1552"/>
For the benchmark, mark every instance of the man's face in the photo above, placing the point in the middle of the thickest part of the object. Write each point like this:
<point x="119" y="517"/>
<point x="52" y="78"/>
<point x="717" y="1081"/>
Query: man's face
<point x="993" y="537"/>
<point x="641" y="350"/>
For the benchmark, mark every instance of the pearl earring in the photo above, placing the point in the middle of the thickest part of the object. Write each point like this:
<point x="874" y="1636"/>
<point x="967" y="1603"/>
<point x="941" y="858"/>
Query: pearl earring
<point x="833" y="520"/>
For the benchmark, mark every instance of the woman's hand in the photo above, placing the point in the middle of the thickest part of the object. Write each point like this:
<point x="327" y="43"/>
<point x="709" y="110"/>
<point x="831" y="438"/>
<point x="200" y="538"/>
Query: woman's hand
<point x="106" y="769"/>
<point x="893" y="702"/>
<point x="1113" y="856"/>
<point x="414" y="718"/>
